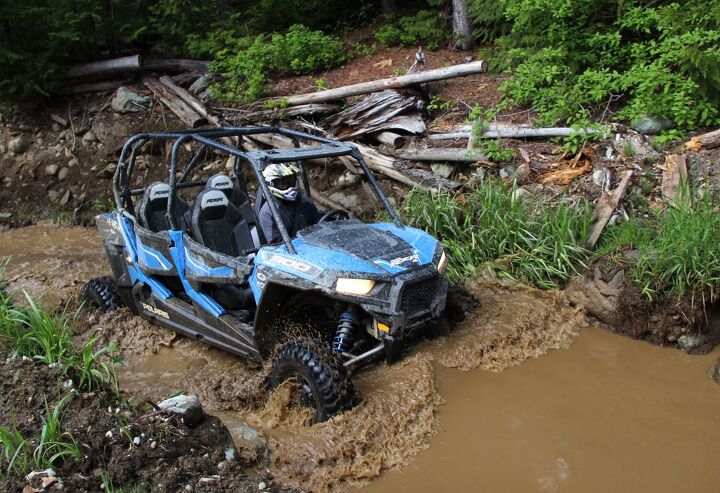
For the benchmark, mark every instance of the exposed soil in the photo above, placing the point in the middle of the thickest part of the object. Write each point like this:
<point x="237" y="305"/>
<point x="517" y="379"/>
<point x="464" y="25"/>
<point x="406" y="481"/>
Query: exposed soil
<point x="167" y="457"/>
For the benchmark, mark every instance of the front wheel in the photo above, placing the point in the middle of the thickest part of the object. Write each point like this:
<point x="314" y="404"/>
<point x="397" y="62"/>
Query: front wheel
<point x="101" y="294"/>
<point x="320" y="379"/>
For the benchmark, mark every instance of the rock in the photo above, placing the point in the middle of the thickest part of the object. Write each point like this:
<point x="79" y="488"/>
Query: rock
<point x="518" y="193"/>
<point x="89" y="137"/>
<point x="262" y="486"/>
<point x="634" y="146"/>
<point x="54" y="195"/>
<point x="136" y="440"/>
<point x="200" y="84"/>
<point x="250" y="438"/>
<point x="188" y="407"/>
<point x="126" y="101"/>
<point x="48" y="481"/>
<point x="347" y="180"/>
<point x="51" y="169"/>
<point x="189" y="488"/>
<point x="650" y="125"/>
<point x="55" y="127"/>
<point x="208" y="480"/>
<point x="112" y="135"/>
<point x="65" y="200"/>
<point x="442" y="169"/>
<point x="108" y="171"/>
<point x="601" y="178"/>
<point x="63" y="174"/>
<point x="714" y="371"/>
<point x="348" y="201"/>
<point x="72" y="163"/>
<point x="507" y="172"/>
<point x="690" y="343"/>
<point x="45" y="472"/>
<point x="59" y="120"/>
<point x="18" y="144"/>
<point x="5" y="215"/>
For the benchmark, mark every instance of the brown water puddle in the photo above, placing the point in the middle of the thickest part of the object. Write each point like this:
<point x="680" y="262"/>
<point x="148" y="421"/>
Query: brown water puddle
<point x="52" y="263"/>
<point x="607" y="414"/>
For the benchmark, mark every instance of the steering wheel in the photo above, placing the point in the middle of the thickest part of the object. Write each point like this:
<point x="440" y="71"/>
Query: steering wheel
<point x="334" y="215"/>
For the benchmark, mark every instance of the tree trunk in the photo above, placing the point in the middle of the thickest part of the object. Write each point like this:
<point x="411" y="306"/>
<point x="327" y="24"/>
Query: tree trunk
<point x="389" y="7"/>
<point x="477" y="67"/>
<point x="462" y="26"/>
<point x="704" y="141"/>
<point x="175" y="65"/>
<point x="89" y="87"/>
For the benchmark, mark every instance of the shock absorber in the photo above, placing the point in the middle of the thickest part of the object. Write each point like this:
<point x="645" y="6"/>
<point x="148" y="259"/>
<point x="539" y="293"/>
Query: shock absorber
<point x="344" y="337"/>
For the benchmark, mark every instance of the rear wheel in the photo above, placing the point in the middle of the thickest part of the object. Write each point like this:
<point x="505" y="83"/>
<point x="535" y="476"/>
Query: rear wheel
<point x="101" y="294"/>
<point x="319" y="379"/>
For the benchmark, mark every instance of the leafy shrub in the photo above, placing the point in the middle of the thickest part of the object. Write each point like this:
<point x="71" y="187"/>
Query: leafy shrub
<point x="425" y="27"/>
<point x="492" y="229"/>
<point x="299" y="51"/>
<point x="572" y="59"/>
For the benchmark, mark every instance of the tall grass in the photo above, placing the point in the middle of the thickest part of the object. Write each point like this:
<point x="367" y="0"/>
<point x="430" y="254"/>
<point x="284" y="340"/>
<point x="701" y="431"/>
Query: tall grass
<point x="15" y="453"/>
<point x="491" y="228"/>
<point x="55" y="444"/>
<point x="679" y="249"/>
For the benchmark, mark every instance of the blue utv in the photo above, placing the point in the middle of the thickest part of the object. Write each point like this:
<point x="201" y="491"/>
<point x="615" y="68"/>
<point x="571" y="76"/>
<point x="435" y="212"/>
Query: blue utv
<point x="188" y="254"/>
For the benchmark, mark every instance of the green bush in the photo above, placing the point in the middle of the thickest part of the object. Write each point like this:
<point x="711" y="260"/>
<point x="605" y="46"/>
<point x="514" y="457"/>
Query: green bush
<point x="299" y="51"/>
<point x="571" y="60"/>
<point x="489" y="19"/>
<point x="491" y="229"/>
<point x="425" y="27"/>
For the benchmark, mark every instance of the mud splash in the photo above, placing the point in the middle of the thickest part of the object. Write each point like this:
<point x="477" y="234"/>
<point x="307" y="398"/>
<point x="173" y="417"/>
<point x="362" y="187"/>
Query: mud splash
<point x="398" y="414"/>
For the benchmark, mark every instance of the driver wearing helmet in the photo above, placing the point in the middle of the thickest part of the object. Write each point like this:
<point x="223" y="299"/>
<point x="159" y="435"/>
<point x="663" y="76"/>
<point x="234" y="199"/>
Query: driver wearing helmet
<point x="297" y="212"/>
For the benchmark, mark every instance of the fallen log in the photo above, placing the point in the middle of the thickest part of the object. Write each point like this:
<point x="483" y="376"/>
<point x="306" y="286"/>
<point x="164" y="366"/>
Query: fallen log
<point x="392" y="139"/>
<point x="675" y="175"/>
<point x="428" y="179"/>
<point x="605" y="207"/>
<point x="191" y="100"/>
<point x="375" y="160"/>
<point x="89" y="87"/>
<point x="167" y="97"/>
<point x="283" y="113"/>
<point x="175" y="65"/>
<point x="104" y="68"/>
<point x="477" y="67"/>
<point x="709" y="140"/>
<point x="435" y="154"/>
<point x="498" y="132"/>
<point x="376" y="112"/>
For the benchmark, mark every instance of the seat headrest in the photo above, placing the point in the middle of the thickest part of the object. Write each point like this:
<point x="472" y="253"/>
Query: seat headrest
<point x="220" y="182"/>
<point x="213" y="198"/>
<point x="159" y="191"/>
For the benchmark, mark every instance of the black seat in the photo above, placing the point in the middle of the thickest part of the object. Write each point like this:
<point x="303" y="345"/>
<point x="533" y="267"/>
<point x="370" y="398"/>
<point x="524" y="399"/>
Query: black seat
<point x="219" y="225"/>
<point x="152" y="213"/>
<point x="239" y="198"/>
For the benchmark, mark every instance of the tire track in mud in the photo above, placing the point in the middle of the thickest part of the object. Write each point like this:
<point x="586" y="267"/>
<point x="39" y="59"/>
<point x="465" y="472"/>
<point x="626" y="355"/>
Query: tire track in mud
<point x="397" y="414"/>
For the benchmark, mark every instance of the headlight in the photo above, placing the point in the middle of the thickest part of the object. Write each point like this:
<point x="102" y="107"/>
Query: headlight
<point x="354" y="286"/>
<point x="442" y="264"/>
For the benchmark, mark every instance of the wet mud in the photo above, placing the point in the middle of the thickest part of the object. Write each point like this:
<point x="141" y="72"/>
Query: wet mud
<point x="453" y="410"/>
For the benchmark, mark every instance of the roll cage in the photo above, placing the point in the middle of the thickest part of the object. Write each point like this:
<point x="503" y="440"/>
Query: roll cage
<point x="212" y="139"/>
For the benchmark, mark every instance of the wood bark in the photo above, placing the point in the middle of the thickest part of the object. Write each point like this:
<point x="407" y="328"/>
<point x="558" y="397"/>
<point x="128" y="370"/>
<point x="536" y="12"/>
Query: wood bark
<point x="104" y="68"/>
<point x="184" y="111"/>
<point x="284" y="113"/>
<point x="675" y="175"/>
<point x="709" y="140"/>
<point x="462" y="26"/>
<point x="89" y="87"/>
<point x="175" y="65"/>
<point x="191" y="100"/>
<point x="605" y="207"/>
<point x="477" y="67"/>
<point x="431" y="154"/>
<point x="376" y="112"/>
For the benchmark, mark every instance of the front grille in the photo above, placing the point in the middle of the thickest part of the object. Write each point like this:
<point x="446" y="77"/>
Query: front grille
<point x="418" y="296"/>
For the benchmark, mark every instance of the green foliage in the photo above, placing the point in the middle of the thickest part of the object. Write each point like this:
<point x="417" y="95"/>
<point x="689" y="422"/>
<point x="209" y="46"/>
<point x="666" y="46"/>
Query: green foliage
<point x="15" y="453"/>
<point x="55" y="444"/>
<point x="572" y="60"/>
<point x="299" y="51"/>
<point x="43" y="336"/>
<point x="425" y="27"/>
<point x="92" y="367"/>
<point x="492" y="229"/>
<point x="679" y="251"/>
<point x="489" y="19"/>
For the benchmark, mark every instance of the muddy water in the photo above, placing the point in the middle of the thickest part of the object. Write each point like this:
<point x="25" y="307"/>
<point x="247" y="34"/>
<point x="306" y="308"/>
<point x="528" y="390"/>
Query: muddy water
<point x="51" y="263"/>
<point x="609" y="414"/>
<point x="458" y="412"/>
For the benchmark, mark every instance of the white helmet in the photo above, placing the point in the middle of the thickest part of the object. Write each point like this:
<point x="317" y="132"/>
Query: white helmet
<point x="282" y="180"/>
